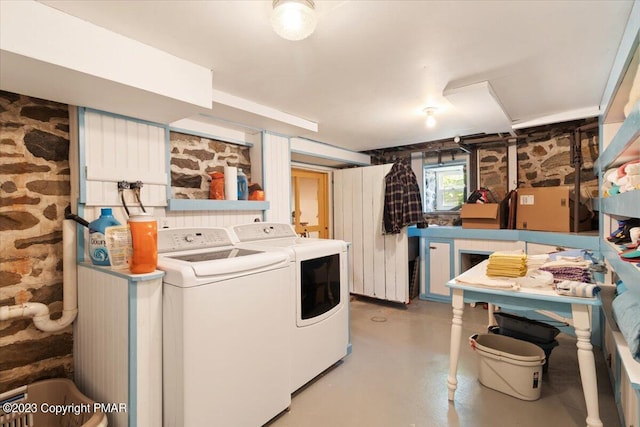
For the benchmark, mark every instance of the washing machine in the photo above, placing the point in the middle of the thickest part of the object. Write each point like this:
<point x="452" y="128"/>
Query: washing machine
<point x="319" y="294"/>
<point x="226" y="341"/>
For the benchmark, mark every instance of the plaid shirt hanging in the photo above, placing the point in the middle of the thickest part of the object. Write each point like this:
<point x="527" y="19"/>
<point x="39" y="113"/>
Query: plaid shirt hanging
<point x="402" y="200"/>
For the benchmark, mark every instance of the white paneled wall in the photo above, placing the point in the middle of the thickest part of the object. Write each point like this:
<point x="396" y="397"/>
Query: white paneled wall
<point x="276" y="159"/>
<point x="101" y="345"/>
<point x="379" y="263"/>
<point x="117" y="149"/>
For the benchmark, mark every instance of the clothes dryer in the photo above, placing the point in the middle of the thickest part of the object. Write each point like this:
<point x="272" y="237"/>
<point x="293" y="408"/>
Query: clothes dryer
<point x="319" y="294"/>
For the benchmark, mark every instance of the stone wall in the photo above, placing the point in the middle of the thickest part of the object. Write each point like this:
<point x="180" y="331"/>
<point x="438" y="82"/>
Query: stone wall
<point x="546" y="163"/>
<point x="34" y="194"/>
<point x="493" y="165"/>
<point x="193" y="158"/>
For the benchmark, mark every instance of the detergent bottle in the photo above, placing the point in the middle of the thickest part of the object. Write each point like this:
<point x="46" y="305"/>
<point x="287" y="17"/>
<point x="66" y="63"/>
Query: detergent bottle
<point x="97" y="242"/>
<point x="243" y="186"/>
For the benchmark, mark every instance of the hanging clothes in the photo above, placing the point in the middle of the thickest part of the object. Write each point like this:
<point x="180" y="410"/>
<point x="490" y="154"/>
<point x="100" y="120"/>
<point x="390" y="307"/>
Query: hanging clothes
<point x="402" y="200"/>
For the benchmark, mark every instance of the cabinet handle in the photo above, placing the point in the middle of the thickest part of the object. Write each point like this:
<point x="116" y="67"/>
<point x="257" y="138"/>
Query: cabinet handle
<point x="432" y="247"/>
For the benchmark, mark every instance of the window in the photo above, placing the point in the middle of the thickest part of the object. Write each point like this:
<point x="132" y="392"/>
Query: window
<point x="445" y="186"/>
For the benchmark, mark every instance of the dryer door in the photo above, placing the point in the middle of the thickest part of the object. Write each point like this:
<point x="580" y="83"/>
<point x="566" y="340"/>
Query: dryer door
<point x="319" y="293"/>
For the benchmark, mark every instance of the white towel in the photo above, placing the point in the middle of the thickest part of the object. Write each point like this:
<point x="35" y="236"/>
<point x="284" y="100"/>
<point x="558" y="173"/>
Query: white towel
<point x="577" y="289"/>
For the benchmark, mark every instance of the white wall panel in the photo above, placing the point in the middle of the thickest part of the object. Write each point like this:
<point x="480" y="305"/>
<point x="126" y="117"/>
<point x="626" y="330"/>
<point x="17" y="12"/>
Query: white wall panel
<point x="379" y="263"/>
<point x="119" y="149"/>
<point x="277" y="177"/>
<point x="101" y="340"/>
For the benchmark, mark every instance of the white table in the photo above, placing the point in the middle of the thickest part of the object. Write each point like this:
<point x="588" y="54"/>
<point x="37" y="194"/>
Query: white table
<point x="529" y="298"/>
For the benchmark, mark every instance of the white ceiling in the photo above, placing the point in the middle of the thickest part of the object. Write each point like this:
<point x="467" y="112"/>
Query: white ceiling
<point x="371" y="66"/>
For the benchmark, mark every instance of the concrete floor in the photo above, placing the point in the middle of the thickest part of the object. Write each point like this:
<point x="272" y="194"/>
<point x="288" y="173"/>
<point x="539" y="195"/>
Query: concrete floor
<point x="397" y="376"/>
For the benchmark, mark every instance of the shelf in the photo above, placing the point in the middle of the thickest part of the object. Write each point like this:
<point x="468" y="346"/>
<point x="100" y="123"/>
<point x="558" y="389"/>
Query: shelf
<point x="625" y="145"/>
<point x="216" y="205"/>
<point x="624" y="204"/>
<point x="630" y="364"/>
<point x="627" y="271"/>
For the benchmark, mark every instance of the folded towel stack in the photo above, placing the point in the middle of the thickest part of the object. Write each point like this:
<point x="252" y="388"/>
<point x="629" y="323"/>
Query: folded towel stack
<point x="534" y="262"/>
<point x="507" y="264"/>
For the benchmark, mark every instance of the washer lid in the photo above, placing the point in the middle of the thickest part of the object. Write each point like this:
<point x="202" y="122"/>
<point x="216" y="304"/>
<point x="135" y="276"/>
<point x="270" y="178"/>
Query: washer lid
<point x="198" y="267"/>
<point x="214" y="255"/>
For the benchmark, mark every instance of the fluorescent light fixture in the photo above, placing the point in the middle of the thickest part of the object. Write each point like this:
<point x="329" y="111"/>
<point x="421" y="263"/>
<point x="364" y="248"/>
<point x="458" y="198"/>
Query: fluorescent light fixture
<point x="479" y="103"/>
<point x="293" y="19"/>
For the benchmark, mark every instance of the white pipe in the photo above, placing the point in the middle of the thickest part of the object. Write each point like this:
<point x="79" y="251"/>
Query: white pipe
<point x="40" y="312"/>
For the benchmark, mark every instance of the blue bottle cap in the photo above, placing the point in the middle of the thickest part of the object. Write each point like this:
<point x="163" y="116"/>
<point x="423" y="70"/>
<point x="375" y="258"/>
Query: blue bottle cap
<point x="106" y="211"/>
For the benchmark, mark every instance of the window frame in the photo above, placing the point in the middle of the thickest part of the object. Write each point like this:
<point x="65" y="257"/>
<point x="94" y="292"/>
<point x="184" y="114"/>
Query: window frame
<point x="427" y="166"/>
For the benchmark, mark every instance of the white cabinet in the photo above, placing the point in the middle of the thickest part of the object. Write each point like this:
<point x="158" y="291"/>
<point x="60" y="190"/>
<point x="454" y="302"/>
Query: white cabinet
<point x="118" y="342"/>
<point x="379" y="264"/>
<point x="438" y="269"/>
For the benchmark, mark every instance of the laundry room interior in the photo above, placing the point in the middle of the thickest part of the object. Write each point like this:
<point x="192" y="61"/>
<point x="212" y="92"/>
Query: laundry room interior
<point x="391" y="213"/>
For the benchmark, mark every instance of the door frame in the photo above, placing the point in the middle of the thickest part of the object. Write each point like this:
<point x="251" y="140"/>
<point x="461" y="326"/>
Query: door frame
<point x="324" y="193"/>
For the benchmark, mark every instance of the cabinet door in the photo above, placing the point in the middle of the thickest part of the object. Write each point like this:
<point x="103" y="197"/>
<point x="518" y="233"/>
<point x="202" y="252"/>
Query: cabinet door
<point x="439" y="270"/>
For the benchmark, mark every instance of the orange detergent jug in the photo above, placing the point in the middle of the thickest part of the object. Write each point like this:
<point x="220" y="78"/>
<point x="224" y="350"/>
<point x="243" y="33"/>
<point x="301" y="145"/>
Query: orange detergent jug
<point x="216" y="190"/>
<point x="144" y="243"/>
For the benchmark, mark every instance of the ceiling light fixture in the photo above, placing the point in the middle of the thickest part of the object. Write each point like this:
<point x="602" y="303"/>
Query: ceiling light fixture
<point x="431" y="120"/>
<point x="293" y="19"/>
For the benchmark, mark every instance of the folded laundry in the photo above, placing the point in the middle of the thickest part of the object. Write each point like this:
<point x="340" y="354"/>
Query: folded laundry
<point x="577" y="289"/>
<point x="507" y="264"/>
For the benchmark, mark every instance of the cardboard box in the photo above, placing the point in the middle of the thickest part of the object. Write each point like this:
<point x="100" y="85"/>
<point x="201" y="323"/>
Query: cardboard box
<point x="480" y="215"/>
<point x="549" y="209"/>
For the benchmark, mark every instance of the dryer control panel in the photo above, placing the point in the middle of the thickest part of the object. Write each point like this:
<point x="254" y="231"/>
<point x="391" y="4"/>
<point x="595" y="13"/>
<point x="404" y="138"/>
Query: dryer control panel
<point x="183" y="239"/>
<point x="262" y="231"/>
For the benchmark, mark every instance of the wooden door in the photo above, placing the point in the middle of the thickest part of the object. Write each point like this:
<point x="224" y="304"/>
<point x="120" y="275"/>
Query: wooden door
<point x="310" y="199"/>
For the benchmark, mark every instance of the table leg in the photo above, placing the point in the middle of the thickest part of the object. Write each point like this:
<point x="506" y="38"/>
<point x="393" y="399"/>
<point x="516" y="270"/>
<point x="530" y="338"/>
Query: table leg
<point x="457" y="302"/>
<point x="492" y="319"/>
<point x="586" y="362"/>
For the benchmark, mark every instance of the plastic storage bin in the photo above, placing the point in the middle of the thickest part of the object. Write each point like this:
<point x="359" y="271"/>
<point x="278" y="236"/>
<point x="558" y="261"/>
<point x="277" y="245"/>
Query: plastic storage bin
<point x="35" y="403"/>
<point x="547" y="347"/>
<point x="525" y="329"/>
<point x="509" y="365"/>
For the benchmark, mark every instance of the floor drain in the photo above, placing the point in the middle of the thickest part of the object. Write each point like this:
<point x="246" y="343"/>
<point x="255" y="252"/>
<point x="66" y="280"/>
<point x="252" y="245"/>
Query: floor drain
<point x="378" y="319"/>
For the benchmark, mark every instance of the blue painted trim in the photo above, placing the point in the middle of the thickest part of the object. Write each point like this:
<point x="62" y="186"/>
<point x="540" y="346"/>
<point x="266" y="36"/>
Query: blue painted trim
<point x="82" y="155"/>
<point x="533" y="301"/>
<point x="624" y="204"/>
<point x="80" y="241"/>
<point x="470" y="251"/>
<point x="422" y="249"/>
<point x="574" y="240"/>
<point x="626" y="137"/>
<point x="133" y="355"/>
<point x="216" y="205"/>
<point x="167" y="161"/>
<point x="627" y="271"/>
<point x="210" y="136"/>
<point x="349" y="348"/>
<point x="320" y="156"/>
<point x="291" y="208"/>
<point x="436" y="298"/>
<point x="131" y="278"/>
<point x="120" y="116"/>
<point x="426" y="254"/>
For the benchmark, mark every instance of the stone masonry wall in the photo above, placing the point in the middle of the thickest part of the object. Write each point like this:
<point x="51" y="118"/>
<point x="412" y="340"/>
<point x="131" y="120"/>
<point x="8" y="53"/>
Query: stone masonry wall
<point x="34" y="194"/>
<point x="546" y="163"/>
<point x="193" y="158"/>
<point x="493" y="165"/>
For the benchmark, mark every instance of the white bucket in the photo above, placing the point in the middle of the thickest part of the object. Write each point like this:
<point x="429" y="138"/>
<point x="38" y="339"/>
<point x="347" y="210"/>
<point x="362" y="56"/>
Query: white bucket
<point x="509" y="365"/>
